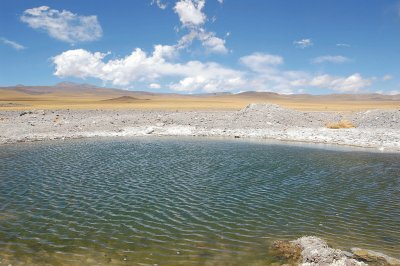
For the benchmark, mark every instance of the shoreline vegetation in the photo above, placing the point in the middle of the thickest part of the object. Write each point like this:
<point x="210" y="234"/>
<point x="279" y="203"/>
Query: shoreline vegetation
<point x="377" y="130"/>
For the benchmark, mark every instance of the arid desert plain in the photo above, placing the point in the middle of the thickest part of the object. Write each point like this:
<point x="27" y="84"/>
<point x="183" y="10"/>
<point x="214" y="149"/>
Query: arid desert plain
<point x="68" y="110"/>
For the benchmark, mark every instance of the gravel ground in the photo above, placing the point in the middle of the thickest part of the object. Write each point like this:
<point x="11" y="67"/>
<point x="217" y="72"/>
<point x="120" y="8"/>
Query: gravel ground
<point x="376" y="129"/>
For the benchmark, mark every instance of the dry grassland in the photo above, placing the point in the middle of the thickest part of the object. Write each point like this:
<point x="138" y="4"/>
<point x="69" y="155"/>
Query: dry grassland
<point x="11" y="100"/>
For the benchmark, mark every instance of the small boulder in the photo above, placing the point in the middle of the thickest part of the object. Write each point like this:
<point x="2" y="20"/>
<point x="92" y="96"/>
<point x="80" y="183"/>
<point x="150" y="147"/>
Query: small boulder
<point x="312" y="251"/>
<point x="26" y="113"/>
<point x="286" y="250"/>
<point x="317" y="251"/>
<point x="374" y="258"/>
<point x="149" y="130"/>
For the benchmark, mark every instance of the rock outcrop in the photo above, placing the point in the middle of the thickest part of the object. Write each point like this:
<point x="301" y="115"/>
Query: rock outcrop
<point x="374" y="258"/>
<point x="313" y="251"/>
<point x="286" y="250"/>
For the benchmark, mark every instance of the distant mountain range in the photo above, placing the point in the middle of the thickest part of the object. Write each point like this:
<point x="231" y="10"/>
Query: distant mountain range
<point x="70" y="89"/>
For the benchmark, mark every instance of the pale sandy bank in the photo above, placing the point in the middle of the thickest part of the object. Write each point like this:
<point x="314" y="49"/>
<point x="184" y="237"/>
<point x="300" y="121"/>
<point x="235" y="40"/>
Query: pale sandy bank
<point x="375" y="129"/>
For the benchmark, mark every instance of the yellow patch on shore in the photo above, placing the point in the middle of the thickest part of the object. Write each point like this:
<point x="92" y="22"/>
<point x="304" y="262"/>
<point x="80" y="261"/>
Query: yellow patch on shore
<point x="340" y="124"/>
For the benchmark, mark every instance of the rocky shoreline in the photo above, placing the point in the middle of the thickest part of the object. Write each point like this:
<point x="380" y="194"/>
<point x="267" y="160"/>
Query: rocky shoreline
<point x="378" y="130"/>
<point x="313" y="251"/>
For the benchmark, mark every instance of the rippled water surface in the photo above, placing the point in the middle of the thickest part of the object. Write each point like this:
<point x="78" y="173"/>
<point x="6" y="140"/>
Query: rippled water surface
<point x="189" y="202"/>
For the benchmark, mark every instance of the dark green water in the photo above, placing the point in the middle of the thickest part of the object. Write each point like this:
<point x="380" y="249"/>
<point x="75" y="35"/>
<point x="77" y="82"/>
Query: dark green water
<point x="189" y="201"/>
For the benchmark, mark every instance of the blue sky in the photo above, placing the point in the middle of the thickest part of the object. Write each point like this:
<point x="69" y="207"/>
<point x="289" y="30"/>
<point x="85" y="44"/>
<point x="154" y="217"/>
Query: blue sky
<point x="194" y="46"/>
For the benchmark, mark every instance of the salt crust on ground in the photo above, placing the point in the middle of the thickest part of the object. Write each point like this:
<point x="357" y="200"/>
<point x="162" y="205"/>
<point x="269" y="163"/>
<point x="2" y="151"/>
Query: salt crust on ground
<point x="375" y="129"/>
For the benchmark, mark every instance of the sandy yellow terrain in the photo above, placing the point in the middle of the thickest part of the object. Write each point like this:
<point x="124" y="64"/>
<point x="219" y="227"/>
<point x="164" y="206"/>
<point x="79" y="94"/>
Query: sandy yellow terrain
<point x="17" y="98"/>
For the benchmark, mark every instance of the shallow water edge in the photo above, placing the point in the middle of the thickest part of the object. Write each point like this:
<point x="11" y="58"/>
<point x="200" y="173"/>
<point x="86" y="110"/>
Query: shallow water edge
<point x="249" y="139"/>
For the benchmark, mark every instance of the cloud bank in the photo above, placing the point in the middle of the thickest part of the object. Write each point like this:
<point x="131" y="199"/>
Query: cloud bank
<point x="140" y="67"/>
<point x="163" y="68"/>
<point x="261" y="72"/>
<point x="304" y="43"/>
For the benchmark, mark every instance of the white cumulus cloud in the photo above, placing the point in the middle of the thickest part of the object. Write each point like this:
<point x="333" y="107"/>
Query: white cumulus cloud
<point x="259" y="61"/>
<point x="12" y="44"/>
<point x="352" y="83"/>
<point x="214" y="44"/>
<point x="140" y="67"/>
<point x="190" y="12"/>
<point x="267" y="75"/>
<point x="159" y="3"/>
<point x="391" y="92"/>
<point x="155" y="86"/>
<point x="63" y="25"/>
<point x="337" y="59"/>
<point x="304" y="43"/>
<point x="192" y="17"/>
<point x="263" y="73"/>
<point x="162" y="67"/>
<point x="209" y="41"/>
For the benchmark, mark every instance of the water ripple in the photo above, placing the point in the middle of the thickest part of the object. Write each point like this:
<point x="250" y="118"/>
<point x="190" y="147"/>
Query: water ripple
<point x="189" y="202"/>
